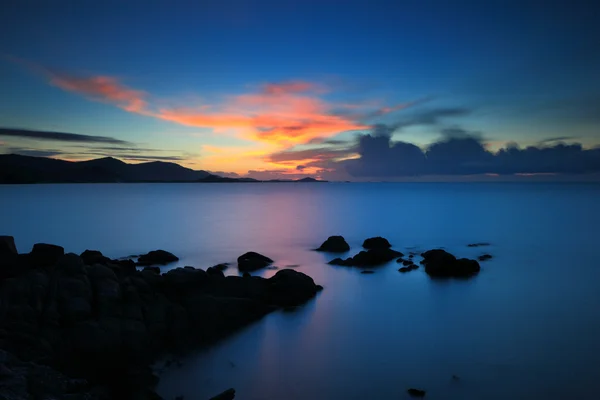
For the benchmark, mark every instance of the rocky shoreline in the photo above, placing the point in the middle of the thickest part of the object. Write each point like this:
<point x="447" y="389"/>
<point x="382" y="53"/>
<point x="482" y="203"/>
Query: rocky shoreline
<point x="85" y="327"/>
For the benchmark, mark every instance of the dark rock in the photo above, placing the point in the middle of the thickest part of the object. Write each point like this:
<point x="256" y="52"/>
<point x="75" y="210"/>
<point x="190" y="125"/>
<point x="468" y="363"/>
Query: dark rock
<point x="416" y="392"/>
<point x="213" y="271"/>
<point x="229" y="394"/>
<point x="157" y="257"/>
<point x="252" y="261"/>
<point x="411" y="255"/>
<point x="7" y="246"/>
<point x="337" y="261"/>
<point x="124" y="267"/>
<point x="376" y="243"/>
<point x="221" y="267"/>
<point x="485" y="257"/>
<point x="404" y="269"/>
<point x="367" y="271"/>
<point x="369" y="258"/>
<point x="246" y="275"/>
<point x="44" y="254"/>
<point x="440" y="263"/>
<point x="478" y="244"/>
<point x="91" y="257"/>
<point x="406" y="263"/>
<point x="291" y="288"/>
<point x="374" y="257"/>
<point x="335" y="244"/>
<point x="155" y="270"/>
<point x="71" y="264"/>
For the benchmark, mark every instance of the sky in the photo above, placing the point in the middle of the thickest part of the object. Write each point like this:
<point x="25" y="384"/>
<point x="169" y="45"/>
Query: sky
<point x="267" y="89"/>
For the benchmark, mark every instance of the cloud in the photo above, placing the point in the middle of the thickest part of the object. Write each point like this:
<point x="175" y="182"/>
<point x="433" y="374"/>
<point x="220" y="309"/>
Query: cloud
<point x="101" y="88"/>
<point x="463" y="154"/>
<point x="300" y="167"/>
<point x="321" y="153"/>
<point x="32" y="152"/>
<point x="557" y="139"/>
<point x="59" y="136"/>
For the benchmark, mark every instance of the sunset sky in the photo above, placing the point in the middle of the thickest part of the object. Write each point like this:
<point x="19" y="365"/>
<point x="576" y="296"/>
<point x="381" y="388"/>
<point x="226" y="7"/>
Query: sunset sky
<point x="273" y="88"/>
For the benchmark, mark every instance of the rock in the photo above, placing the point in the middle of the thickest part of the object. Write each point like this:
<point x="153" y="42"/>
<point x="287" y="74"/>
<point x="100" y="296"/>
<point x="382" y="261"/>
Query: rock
<point x="7" y="246"/>
<point x="91" y="257"/>
<point x="246" y="275"/>
<point x="155" y="257"/>
<point x="124" y="267"/>
<point x="376" y="243"/>
<point x="485" y="257"/>
<point x="369" y="258"/>
<point x="229" y="394"/>
<point x="290" y="288"/>
<point x="221" y="267"/>
<point x="478" y="244"/>
<point x="367" y="271"/>
<point x="213" y="271"/>
<point x="252" y="261"/>
<point x="155" y="270"/>
<point x="440" y="263"/>
<point x="44" y="254"/>
<point x="404" y="269"/>
<point x="71" y="264"/>
<point x="411" y="255"/>
<point x="406" y="263"/>
<point x="416" y="392"/>
<point x="335" y="244"/>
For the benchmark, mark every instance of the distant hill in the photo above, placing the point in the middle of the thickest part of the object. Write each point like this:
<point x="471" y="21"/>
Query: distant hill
<point x="15" y="168"/>
<point x="24" y="169"/>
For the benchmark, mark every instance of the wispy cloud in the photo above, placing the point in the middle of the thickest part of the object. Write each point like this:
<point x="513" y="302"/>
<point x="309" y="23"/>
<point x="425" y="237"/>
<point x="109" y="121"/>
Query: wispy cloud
<point x="59" y="136"/>
<point x="102" y="88"/>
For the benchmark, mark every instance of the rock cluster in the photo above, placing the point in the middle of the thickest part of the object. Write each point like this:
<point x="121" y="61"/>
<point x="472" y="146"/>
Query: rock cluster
<point x="87" y="327"/>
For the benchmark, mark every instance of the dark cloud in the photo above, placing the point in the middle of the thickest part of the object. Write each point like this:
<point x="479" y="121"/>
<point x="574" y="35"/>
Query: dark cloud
<point x="300" y="167"/>
<point x="32" y="152"/>
<point x="433" y="116"/>
<point x="59" y="136"/>
<point x="322" y="140"/>
<point x="459" y="153"/>
<point x="557" y="139"/>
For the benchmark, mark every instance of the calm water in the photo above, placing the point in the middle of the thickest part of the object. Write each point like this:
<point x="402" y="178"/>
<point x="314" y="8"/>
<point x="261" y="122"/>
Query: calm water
<point x="527" y="327"/>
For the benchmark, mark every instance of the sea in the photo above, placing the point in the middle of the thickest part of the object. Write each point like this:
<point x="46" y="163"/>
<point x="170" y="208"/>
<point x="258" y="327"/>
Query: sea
<point x="526" y="327"/>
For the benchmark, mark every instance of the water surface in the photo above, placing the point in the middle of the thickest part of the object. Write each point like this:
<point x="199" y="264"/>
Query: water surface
<point x="526" y="327"/>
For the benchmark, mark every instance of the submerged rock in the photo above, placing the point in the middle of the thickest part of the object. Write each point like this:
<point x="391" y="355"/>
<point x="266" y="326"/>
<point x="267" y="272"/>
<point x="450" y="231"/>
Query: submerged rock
<point x="157" y="257"/>
<point x="478" y="244"/>
<point x="416" y="392"/>
<point x="335" y="244"/>
<point x="376" y="243"/>
<point x="229" y="394"/>
<point x="409" y="268"/>
<point x="252" y="261"/>
<point x="440" y="263"/>
<point x="369" y="258"/>
<point x="485" y="257"/>
<point x="367" y="271"/>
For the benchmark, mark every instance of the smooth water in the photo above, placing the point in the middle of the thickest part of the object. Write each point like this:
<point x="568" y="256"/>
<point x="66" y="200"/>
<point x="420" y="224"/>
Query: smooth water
<point x="528" y="326"/>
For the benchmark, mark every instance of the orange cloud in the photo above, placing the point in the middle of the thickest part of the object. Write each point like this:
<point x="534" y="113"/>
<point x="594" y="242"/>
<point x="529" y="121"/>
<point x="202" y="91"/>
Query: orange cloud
<point x="103" y="88"/>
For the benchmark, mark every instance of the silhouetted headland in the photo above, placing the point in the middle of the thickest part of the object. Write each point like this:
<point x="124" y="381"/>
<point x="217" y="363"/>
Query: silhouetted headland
<point x="18" y="169"/>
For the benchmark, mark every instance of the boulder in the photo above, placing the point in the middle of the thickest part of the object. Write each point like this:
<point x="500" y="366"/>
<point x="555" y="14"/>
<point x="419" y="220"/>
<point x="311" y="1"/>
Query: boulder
<point x="213" y="271"/>
<point x="91" y="257"/>
<point x="367" y="271"/>
<point x="221" y="267"/>
<point x="155" y="270"/>
<point x="484" y="257"/>
<point x="406" y="263"/>
<point x="252" y="261"/>
<point x="416" y="392"/>
<point x="408" y="268"/>
<point x="334" y="244"/>
<point x="478" y="244"/>
<point x="123" y="267"/>
<point x="71" y="264"/>
<point x="7" y="246"/>
<point x="290" y="288"/>
<point x="44" y="254"/>
<point x="229" y="394"/>
<point x="376" y="243"/>
<point x="369" y="258"/>
<point x="337" y="261"/>
<point x="157" y="257"/>
<point x="440" y="263"/>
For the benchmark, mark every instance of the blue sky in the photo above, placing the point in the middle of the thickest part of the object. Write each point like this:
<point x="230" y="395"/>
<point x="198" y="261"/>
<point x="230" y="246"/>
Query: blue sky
<point x="520" y="72"/>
